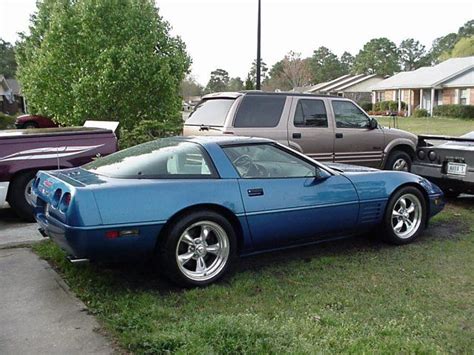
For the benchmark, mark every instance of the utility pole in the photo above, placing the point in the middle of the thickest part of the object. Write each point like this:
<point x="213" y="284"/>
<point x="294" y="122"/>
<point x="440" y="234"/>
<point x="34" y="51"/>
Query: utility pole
<point x="259" y="60"/>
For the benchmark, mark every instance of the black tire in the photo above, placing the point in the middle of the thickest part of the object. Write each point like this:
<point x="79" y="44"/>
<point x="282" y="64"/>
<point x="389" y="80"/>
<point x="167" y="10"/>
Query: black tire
<point x="173" y="245"/>
<point x="389" y="232"/>
<point x="17" y="198"/>
<point x="395" y="157"/>
<point x="29" y="125"/>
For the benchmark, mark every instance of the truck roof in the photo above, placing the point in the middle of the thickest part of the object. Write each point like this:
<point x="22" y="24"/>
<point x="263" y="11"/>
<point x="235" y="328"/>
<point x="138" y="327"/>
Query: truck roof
<point x="45" y="132"/>
<point x="236" y="94"/>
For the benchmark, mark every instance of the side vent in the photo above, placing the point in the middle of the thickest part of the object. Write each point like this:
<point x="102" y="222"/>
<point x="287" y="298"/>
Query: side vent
<point x="371" y="212"/>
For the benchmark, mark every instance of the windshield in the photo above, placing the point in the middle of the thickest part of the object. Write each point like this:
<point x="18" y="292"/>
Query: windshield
<point x="163" y="158"/>
<point x="211" y="112"/>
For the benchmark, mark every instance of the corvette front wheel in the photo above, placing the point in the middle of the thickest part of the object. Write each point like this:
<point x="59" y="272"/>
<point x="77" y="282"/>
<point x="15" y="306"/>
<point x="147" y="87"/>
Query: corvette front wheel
<point x="405" y="216"/>
<point x="199" y="249"/>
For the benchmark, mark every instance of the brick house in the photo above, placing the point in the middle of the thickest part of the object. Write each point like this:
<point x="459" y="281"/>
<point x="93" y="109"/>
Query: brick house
<point x="11" y="100"/>
<point x="450" y="82"/>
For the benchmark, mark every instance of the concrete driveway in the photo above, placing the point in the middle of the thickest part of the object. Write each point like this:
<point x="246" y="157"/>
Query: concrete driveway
<point x="13" y="231"/>
<point x="38" y="313"/>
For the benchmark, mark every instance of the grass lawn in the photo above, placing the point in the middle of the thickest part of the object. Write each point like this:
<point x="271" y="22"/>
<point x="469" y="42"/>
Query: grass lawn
<point x="356" y="295"/>
<point x="431" y="125"/>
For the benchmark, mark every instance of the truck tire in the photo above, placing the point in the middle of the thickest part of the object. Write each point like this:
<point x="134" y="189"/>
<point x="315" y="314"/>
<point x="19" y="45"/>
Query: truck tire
<point x="398" y="160"/>
<point x="20" y="187"/>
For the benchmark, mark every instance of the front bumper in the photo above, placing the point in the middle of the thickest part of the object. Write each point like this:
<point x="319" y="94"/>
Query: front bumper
<point x="92" y="243"/>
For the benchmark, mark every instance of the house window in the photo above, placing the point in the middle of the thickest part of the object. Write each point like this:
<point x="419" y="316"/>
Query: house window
<point x="463" y="99"/>
<point x="379" y="96"/>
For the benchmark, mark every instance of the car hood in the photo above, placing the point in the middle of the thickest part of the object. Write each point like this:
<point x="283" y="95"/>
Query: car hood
<point x="348" y="168"/>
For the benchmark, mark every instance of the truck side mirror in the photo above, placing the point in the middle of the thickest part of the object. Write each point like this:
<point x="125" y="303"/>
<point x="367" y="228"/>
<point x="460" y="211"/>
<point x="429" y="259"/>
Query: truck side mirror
<point x="373" y="124"/>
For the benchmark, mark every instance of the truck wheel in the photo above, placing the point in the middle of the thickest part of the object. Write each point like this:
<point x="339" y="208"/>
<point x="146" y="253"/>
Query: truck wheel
<point x="399" y="161"/>
<point x="20" y="193"/>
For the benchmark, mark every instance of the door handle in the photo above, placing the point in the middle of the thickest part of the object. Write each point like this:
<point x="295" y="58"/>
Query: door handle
<point x="339" y="135"/>
<point x="296" y="135"/>
<point x="255" y="192"/>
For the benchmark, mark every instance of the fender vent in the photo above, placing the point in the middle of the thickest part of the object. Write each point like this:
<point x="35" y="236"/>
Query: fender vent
<point x="370" y="212"/>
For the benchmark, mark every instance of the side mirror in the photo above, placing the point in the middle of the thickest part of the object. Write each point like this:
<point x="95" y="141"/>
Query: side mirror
<point x="373" y="124"/>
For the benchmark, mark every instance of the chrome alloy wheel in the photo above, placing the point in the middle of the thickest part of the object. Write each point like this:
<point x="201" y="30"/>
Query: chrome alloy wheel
<point x="400" y="165"/>
<point x="202" y="250"/>
<point x="406" y="216"/>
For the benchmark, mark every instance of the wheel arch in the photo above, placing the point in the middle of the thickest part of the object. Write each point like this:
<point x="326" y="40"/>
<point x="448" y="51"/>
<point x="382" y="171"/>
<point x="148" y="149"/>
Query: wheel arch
<point x="26" y="171"/>
<point x="224" y="211"/>
<point x="402" y="147"/>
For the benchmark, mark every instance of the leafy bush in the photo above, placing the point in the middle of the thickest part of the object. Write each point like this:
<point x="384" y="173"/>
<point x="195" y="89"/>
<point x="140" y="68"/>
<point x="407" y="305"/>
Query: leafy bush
<point x="366" y="106"/>
<point x="420" y="112"/>
<point x="389" y="106"/>
<point x="7" y="121"/>
<point x="149" y="130"/>
<point x="461" y="111"/>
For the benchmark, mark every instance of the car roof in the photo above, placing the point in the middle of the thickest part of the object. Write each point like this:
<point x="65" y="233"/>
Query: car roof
<point x="223" y="140"/>
<point x="236" y="94"/>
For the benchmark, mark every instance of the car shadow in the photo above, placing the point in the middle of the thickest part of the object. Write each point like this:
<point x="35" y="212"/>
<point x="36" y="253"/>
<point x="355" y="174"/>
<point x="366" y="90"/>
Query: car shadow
<point x="144" y="277"/>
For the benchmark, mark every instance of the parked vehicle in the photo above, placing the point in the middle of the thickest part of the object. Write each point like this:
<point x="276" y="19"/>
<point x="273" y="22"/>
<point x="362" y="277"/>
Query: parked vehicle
<point x="24" y="152"/>
<point x="450" y="164"/>
<point x="196" y="204"/>
<point x="326" y="128"/>
<point x="34" y="121"/>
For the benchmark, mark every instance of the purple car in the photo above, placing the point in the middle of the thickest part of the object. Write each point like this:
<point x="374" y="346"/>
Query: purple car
<point x="24" y="152"/>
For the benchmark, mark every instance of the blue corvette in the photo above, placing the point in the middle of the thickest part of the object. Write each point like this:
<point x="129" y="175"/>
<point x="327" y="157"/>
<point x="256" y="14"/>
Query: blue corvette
<point x="196" y="204"/>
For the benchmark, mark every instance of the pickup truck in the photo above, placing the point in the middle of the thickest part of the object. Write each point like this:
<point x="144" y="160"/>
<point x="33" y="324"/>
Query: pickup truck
<point x="326" y="128"/>
<point x="24" y="152"/>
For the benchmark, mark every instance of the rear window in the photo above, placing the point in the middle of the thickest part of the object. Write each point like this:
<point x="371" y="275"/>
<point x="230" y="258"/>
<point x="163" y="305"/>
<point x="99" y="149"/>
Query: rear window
<point x="211" y="112"/>
<point x="259" y="111"/>
<point x="163" y="158"/>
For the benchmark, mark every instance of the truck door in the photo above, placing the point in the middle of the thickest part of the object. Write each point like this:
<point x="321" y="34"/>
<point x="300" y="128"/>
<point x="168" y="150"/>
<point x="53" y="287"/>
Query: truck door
<point x="309" y="129"/>
<point x="355" y="142"/>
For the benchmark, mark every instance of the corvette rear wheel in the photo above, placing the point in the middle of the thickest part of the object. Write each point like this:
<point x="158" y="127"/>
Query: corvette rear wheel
<point x="405" y="216"/>
<point x="199" y="249"/>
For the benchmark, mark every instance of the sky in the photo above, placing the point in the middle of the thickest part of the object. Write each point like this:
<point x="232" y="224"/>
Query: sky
<point x="222" y="34"/>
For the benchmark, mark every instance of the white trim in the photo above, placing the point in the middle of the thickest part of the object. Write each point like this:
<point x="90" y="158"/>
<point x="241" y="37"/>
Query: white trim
<point x="3" y="192"/>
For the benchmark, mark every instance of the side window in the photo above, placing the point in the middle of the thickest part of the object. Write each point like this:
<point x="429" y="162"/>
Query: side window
<point x="267" y="161"/>
<point x="310" y="113"/>
<point x="187" y="162"/>
<point x="260" y="111"/>
<point x="348" y="115"/>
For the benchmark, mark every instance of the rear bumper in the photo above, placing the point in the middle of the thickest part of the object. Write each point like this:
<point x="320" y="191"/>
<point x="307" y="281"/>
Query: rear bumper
<point x="446" y="182"/>
<point x="3" y="192"/>
<point x="91" y="242"/>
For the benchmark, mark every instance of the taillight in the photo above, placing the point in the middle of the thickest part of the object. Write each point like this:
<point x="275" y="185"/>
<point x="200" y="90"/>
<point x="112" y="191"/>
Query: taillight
<point x="65" y="202"/>
<point x="56" y="197"/>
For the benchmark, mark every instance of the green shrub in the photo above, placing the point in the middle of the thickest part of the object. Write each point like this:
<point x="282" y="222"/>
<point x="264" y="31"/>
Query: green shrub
<point x="420" y="112"/>
<point x="366" y="105"/>
<point x="149" y="130"/>
<point x="389" y="106"/>
<point x="7" y="121"/>
<point x="460" y="111"/>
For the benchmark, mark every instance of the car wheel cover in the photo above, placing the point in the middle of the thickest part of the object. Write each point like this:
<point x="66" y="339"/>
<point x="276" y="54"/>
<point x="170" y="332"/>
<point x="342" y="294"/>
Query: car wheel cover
<point x="202" y="251"/>
<point x="400" y="165"/>
<point x="406" y="216"/>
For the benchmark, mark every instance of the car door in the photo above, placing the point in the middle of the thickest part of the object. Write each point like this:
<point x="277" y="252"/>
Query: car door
<point x="309" y="129"/>
<point x="288" y="199"/>
<point x="355" y="143"/>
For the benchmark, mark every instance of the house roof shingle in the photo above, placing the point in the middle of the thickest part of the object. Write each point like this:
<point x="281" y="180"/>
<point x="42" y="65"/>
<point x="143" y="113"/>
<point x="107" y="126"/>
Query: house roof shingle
<point x="428" y="77"/>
